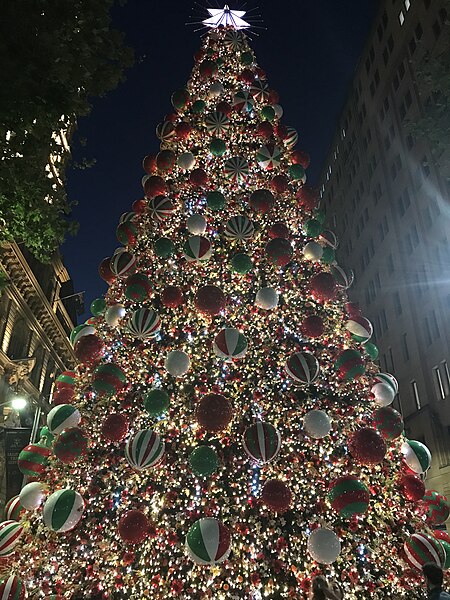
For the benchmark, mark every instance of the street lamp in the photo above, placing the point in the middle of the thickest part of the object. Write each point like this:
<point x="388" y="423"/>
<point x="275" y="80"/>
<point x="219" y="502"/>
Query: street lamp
<point x="19" y="403"/>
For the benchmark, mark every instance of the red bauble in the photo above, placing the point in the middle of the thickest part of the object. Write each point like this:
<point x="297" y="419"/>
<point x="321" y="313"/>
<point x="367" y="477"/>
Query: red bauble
<point x="155" y="186"/>
<point x="214" y="412"/>
<point x="115" y="427"/>
<point x="63" y="396"/>
<point x="198" y="178"/>
<point x="274" y="97"/>
<point x="199" y="55"/>
<point x="279" y="251"/>
<point x="300" y="157"/>
<point x="412" y="487"/>
<point x="323" y="286"/>
<point x="149" y="164"/>
<point x="308" y="198"/>
<point x="441" y="535"/>
<point x="260" y="73"/>
<point x="171" y="117"/>
<point x="312" y="326"/>
<point x="208" y="68"/>
<point x="133" y="527"/>
<point x="367" y="446"/>
<point x="172" y="296"/>
<point x="264" y="130"/>
<point x="247" y="76"/>
<point x="104" y="270"/>
<point x="352" y="309"/>
<point x="210" y="300"/>
<point x="225" y="108"/>
<point x="165" y="160"/>
<point x="282" y="131"/>
<point x="183" y="130"/>
<point x="276" y="495"/>
<point x="280" y="183"/>
<point x="89" y="349"/>
<point x="70" y="445"/>
<point x="262" y="200"/>
<point x="139" y="206"/>
<point x="279" y="230"/>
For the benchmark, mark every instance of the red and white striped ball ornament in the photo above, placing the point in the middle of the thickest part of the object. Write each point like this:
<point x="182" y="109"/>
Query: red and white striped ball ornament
<point x="161" y="207"/>
<point x="329" y="238"/>
<point x="360" y="328"/>
<point x="236" y="170"/>
<point x="239" y="228"/>
<point x="123" y="264"/>
<point x="144" y="449"/>
<point x="262" y="442"/>
<point x="269" y="157"/>
<point x="12" y="588"/>
<point x="302" y="367"/>
<point x="144" y="323"/>
<point x="291" y="139"/>
<point x="259" y="90"/>
<point x="422" y="548"/>
<point x="14" y="509"/>
<point x="243" y="102"/>
<point x="10" y="534"/>
<point x="230" y="343"/>
<point x="197" y="249"/>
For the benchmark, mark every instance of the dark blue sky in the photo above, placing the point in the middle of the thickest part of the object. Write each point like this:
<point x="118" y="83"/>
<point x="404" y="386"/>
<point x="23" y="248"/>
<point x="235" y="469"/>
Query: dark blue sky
<point x="309" y="51"/>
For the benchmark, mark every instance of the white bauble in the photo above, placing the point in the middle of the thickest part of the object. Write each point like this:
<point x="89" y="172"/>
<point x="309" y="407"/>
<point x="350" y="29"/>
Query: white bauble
<point x="324" y="545"/>
<point x="278" y="110"/>
<point x="266" y="298"/>
<point x="313" y="251"/>
<point x="215" y="89"/>
<point x="32" y="495"/>
<point x="114" y="313"/>
<point x="177" y="363"/>
<point x="196" y="224"/>
<point x="317" y="424"/>
<point x="186" y="161"/>
<point x="384" y="394"/>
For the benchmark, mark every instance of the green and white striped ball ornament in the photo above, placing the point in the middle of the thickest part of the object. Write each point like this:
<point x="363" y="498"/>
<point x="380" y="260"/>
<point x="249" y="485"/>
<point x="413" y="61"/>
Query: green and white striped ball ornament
<point x="108" y="379"/>
<point x="360" y="328"/>
<point x="62" y="417"/>
<point x="12" y="588"/>
<point x="208" y="542"/>
<point x="144" y="323"/>
<point x="63" y="510"/>
<point x="230" y="343"/>
<point x="239" y="228"/>
<point x="302" y="367"/>
<point x="416" y="455"/>
<point x="14" y="509"/>
<point x="387" y="379"/>
<point x="348" y="496"/>
<point x="422" y="548"/>
<point x="10" y="534"/>
<point x="80" y="331"/>
<point x="262" y="442"/>
<point x="197" y="249"/>
<point x="145" y="449"/>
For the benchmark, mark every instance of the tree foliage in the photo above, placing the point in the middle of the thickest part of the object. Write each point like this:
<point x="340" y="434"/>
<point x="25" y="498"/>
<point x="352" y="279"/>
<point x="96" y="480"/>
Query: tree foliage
<point x="56" y="56"/>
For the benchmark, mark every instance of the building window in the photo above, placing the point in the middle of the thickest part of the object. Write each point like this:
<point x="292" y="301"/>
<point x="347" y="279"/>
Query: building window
<point x="434" y="325"/>
<point x="412" y="45"/>
<point x="427" y="329"/>
<point x="446" y="376"/>
<point x="390" y="264"/>
<point x="427" y="3"/>
<point x="384" y="322"/>
<point x="436" y="29"/>
<point x="397" y="304"/>
<point x="401" y="17"/>
<point x="415" y="391"/>
<point x="409" y="141"/>
<point x="405" y="347"/>
<point x="439" y="384"/>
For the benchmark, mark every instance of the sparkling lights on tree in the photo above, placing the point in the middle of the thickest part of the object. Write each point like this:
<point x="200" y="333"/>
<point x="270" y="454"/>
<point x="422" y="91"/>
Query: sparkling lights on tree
<point x="226" y="434"/>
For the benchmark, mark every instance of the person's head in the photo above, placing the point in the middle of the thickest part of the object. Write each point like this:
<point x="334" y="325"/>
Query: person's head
<point x="433" y="574"/>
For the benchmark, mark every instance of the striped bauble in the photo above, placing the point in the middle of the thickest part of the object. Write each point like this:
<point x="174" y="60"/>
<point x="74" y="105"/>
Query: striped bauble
<point x="348" y="496"/>
<point x="343" y="278"/>
<point x="291" y="139"/>
<point x="108" y="379"/>
<point x="417" y="456"/>
<point x="14" y="509"/>
<point x="10" y="532"/>
<point x="350" y="364"/>
<point x="387" y="379"/>
<point x="269" y="156"/>
<point x="262" y="442"/>
<point x="33" y="459"/>
<point x="67" y="379"/>
<point x="302" y="367"/>
<point x="422" y="548"/>
<point x="208" y="542"/>
<point x="388" y="422"/>
<point x="239" y="228"/>
<point x="12" y="588"/>
<point x="360" y="328"/>
<point x="123" y="264"/>
<point x="197" y="249"/>
<point x="230" y="343"/>
<point x="145" y="449"/>
<point x="63" y="510"/>
<point x="80" y="331"/>
<point x="62" y="417"/>
<point x="160" y="208"/>
<point x="144" y="323"/>
<point x="437" y="507"/>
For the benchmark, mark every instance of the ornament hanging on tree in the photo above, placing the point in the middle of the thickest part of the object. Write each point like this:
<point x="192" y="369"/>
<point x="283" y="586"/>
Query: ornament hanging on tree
<point x="367" y="446"/>
<point x="12" y="588"/>
<point x="203" y="461"/>
<point x="214" y="412"/>
<point x="269" y="157"/>
<point x="324" y="545"/>
<point x="412" y="487"/>
<point x="10" y="534"/>
<point x="348" y="496"/>
<point x="239" y="228"/>
<point x="144" y="323"/>
<point x="437" y="507"/>
<point x="108" y="379"/>
<point x="62" y="417"/>
<point x="217" y="123"/>
<point x="236" y="170"/>
<point x="14" y="509"/>
<point x="197" y="249"/>
<point x="160" y="208"/>
<point x="133" y="527"/>
<point x="33" y="459"/>
<point x="262" y="442"/>
<point x="70" y="445"/>
<point x="317" y="424"/>
<point x="302" y="367"/>
<point x="388" y="422"/>
<point x="422" y="548"/>
<point x="276" y="495"/>
<point x="230" y="343"/>
<point x="177" y="363"/>
<point x="115" y="427"/>
<point x="145" y="449"/>
<point x="208" y="542"/>
<point x="32" y="495"/>
<point x="416" y="455"/>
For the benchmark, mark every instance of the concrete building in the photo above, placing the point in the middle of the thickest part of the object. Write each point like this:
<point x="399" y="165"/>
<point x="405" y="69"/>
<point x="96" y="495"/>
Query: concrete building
<point x="387" y="197"/>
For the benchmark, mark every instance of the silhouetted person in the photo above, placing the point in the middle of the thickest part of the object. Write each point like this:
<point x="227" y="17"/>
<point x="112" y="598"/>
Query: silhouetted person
<point x="322" y="590"/>
<point x="434" y="578"/>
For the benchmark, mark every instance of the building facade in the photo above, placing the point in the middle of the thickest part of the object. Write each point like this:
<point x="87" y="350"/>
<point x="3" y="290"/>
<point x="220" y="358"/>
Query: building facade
<point x="387" y="197"/>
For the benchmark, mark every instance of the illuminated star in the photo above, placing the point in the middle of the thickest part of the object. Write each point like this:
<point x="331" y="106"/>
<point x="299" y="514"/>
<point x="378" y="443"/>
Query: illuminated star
<point x="226" y="17"/>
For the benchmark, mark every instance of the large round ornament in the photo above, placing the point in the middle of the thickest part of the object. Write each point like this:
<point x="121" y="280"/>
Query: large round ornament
<point x="198" y="178"/>
<point x="208" y="68"/>
<point x="267" y="298"/>
<point x="186" y="161"/>
<point x="260" y="90"/>
<point x="215" y="200"/>
<point x="89" y="350"/>
<point x="62" y="417"/>
<point x="279" y="251"/>
<point x="236" y="170"/>
<point x="156" y="402"/>
<point x="313" y="251"/>
<point x="161" y="207"/>
<point x="348" y="496"/>
<point x="63" y="395"/>
<point x="12" y="588"/>
<point x="165" y="132"/>
<point x="388" y="422"/>
<point x="67" y="379"/>
<point x="360" y="328"/>
<point x="145" y="449"/>
<point x="177" y="363"/>
<point x="262" y="442"/>
<point x="233" y="40"/>
<point x="214" y="412"/>
<point x="33" y="459"/>
<point x="14" y="509"/>
<point x="444" y="538"/>
<point x="324" y="545"/>
<point x="144" y="323"/>
<point x="32" y="495"/>
<point x="115" y="427"/>
<point x="172" y="296"/>
<point x="412" y="487"/>
<point x="216" y="89"/>
<point x="149" y="164"/>
<point x="98" y="306"/>
<point x="350" y="364"/>
<point x="137" y="288"/>
<point x="323" y="286"/>
<point x="243" y="102"/>
<point x="164" y="247"/>
<point x="383" y="394"/>
<point x="123" y="264"/>
<point x="126" y="233"/>
<point x="80" y="331"/>
<point x="276" y="495"/>
<point x="208" y="542"/>
<point x="387" y="379"/>
<point x="317" y="424"/>
<point x="239" y="228"/>
<point x="437" y="507"/>
<point x="416" y="455"/>
<point x="312" y="326"/>
<point x="10" y="533"/>
<point x="203" y="461"/>
<point x="196" y="224"/>
<point x="217" y="123"/>
<point x="279" y="230"/>
<point x="422" y="548"/>
<point x="108" y="379"/>
<point x="197" y="249"/>
<point x="343" y="278"/>
<point x="210" y="300"/>
<point x="70" y="445"/>
<point x="217" y="147"/>
<point x="241" y="263"/>
<point x="367" y="446"/>
<point x="262" y="200"/>
<point x="133" y="527"/>
<point x="307" y="197"/>
<point x="180" y="99"/>
<point x="302" y="367"/>
<point x="269" y="157"/>
<point x="230" y="343"/>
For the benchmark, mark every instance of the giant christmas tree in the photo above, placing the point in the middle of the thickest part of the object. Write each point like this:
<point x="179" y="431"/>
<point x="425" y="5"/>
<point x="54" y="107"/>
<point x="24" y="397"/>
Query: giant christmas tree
<point x="227" y="434"/>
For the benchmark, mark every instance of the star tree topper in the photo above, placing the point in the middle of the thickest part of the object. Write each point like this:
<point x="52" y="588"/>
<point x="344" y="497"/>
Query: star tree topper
<point x="226" y="17"/>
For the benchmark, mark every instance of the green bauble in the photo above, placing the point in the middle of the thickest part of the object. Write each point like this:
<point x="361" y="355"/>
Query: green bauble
<point x="217" y="147"/>
<point x="215" y="200"/>
<point x="268" y="113"/>
<point x="164" y="247"/>
<point x="328" y="255"/>
<point x="204" y="461"/>
<point x="219" y="61"/>
<point x="156" y="402"/>
<point x="312" y="228"/>
<point x="371" y="350"/>
<point x="241" y="263"/>
<point x="296" y="172"/>
<point x="247" y="59"/>
<point x="98" y="307"/>
<point x="45" y="437"/>
<point x="198" y="107"/>
<point x="319" y="215"/>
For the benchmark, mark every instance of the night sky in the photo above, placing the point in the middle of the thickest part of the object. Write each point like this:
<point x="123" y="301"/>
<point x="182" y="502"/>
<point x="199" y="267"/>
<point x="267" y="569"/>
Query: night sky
<point x="309" y="51"/>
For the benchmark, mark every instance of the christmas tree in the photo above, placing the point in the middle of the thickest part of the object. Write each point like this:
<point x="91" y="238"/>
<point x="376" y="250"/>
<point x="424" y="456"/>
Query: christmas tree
<point x="227" y="433"/>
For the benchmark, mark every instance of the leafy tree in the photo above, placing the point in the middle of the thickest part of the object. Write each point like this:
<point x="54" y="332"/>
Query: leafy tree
<point x="56" y="56"/>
